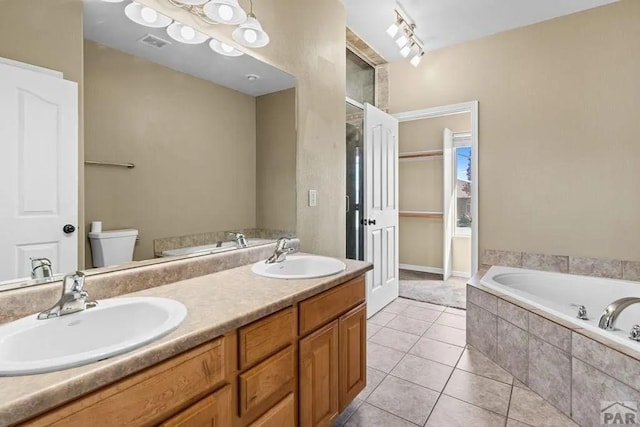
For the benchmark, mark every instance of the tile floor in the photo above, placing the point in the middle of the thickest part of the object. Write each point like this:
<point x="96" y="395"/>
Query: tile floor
<point x="421" y="372"/>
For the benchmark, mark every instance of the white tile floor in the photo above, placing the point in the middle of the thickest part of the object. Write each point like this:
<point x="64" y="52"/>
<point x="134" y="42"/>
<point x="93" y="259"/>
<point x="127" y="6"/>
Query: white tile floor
<point x="421" y="372"/>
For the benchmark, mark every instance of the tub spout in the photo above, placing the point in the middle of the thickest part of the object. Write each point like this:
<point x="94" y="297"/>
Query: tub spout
<point x="611" y="313"/>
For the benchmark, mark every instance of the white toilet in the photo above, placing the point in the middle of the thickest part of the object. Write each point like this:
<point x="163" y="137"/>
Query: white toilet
<point x="112" y="247"/>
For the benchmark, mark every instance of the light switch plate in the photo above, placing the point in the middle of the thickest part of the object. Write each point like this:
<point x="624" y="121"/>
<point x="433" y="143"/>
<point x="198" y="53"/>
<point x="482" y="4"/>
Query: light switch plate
<point x="313" y="198"/>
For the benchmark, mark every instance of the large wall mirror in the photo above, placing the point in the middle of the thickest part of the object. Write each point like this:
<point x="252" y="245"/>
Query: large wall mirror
<point x="185" y="142"/>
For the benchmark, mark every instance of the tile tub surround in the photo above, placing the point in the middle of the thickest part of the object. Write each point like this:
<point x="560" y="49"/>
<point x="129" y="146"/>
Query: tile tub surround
<point x="583" y="266"/>
<point x="104" y="283"/>
<point x="572" y="368"/>
<point x="216" y="303"/>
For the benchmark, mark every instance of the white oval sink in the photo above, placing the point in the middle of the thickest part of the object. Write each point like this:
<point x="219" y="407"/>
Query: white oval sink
<point x="115" y="326"/>
<point x="300" y="267"/>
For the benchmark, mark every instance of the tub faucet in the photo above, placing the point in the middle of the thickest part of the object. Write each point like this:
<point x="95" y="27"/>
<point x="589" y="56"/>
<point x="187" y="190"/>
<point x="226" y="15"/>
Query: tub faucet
<point x="281" y="251"/>
<point x="239" y="238"/>
<point x="611" y="313"/>
<point x="73" y="298"/>
<point x="41" y="269"/>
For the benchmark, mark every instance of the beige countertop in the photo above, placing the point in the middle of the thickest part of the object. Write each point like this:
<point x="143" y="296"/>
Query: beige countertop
<point x="217" y="303"/>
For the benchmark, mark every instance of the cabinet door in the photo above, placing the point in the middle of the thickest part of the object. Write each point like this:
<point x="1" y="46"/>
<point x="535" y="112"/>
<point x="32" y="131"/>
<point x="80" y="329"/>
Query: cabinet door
<point x="319" y="377"/>
<point x="212" y="411"/>
<point x="353" y="350"/>
<point x="281" y="415"/>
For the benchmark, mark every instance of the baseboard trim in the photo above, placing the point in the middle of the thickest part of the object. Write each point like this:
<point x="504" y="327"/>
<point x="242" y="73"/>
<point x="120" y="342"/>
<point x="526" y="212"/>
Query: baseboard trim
<point x="420" y="268"/>
<point x="434" y="270"/>
<point x="462" y="274"/>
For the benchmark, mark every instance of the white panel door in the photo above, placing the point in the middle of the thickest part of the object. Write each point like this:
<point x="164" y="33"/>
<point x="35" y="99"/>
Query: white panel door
<point x="381" y="207"/>
<point x="38" y="171"/>
<point x="448" y="203"/>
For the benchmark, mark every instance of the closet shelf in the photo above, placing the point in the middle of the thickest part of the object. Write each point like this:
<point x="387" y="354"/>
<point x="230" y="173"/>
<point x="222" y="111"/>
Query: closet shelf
<point x="420" y="154"/>
<point x="420" y="214"/>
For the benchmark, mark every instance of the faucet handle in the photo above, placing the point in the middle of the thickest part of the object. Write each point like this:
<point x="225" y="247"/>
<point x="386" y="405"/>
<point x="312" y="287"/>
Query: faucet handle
<point x="582" y="311"/>
<point x="634" y="334"/>
<point x="73" y="283"/>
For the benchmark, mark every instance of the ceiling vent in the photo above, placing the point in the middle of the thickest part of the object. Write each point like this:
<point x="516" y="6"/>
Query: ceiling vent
<point x="153" y="41"/>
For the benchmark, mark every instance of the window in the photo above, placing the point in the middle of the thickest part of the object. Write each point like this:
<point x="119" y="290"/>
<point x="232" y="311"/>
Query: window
<point x="361" y="79"/>
<point x="463" y="191"/>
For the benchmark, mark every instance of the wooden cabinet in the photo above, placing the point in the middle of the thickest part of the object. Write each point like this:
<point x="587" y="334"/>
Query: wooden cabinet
<point x="281" y="415"/>
<point x="353" y="354"/>
<point x="266" y="336"/>
<point x="299" y="366"/>
<point x="212" y="411"/>
<point x="148" y="397"/>
<point x="270" y="380"/>
<point x="323" y="308"/>
<point x="319" y="377"/>
<point x="332" y="359"/>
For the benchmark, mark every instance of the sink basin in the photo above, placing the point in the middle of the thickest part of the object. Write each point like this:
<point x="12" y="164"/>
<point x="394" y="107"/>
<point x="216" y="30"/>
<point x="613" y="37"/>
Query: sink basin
<point x="300" y="267"/>
<point x="115" y="326"/>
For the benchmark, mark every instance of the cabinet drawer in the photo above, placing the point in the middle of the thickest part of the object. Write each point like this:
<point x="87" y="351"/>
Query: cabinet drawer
<point x="213" y="410"/>
<point x="321" y="309"/>
<point x="266" y="336"/>
<point x="281" y="415"/>
<point x="269" y="380"/>
<point x="147" y="397"/>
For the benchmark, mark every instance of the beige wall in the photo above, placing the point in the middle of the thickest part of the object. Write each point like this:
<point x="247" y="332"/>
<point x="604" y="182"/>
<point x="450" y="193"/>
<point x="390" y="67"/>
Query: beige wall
<point x="558" y="146"/>
<point x="193" y="143"/>
<point x="48" y="33"/>
<point x="421" y="189"/>
<point x="276" y="160"/>
<point x="308" y="41"/>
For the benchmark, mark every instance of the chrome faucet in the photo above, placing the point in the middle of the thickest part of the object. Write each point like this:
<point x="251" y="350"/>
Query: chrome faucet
<point x="41" y="269"/>
<point x="239" y="238"/>
<point x="281" y="251"/>
<point x="73" y="298"/>
<point x="582" y="311"/>
<point x="611" y="313"/>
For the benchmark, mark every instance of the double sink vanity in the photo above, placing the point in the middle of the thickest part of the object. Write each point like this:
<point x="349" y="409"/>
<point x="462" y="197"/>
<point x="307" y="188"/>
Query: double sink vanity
<point x="264" y="344"/>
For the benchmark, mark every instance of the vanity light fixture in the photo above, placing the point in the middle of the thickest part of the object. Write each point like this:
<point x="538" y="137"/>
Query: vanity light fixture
<point x="407" y="42"/>
<point x="225" y="12"/>
<point x="185" y="34"/>
<point x="250" y="32"/>
<point x="192" y="2"/>
<point x="146" y="16"/>
<point x="224" y="49"/>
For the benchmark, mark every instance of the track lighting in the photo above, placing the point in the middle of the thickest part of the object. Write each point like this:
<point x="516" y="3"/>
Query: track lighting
<point x="402" y="41"/>
<point x="415" y="61"/>
<point x="407" y="42"/>
<point x="392" y="31"/>
<point x="405" y="51"/>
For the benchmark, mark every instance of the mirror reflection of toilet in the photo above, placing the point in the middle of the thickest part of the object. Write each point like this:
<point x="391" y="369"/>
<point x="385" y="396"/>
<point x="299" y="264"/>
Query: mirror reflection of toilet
<point x="112" y="247"/>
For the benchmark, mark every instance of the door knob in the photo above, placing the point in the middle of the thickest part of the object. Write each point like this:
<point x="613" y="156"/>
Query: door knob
<point x="372" y="222"/>
<point x="68" y="229"/>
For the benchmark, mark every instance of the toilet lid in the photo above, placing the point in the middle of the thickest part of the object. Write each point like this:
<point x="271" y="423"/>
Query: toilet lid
<point x="110" y="234"/>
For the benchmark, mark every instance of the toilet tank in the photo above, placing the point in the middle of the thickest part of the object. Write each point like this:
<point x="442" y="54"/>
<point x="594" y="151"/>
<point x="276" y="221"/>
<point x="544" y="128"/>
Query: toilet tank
<point x="112" y="247"/>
